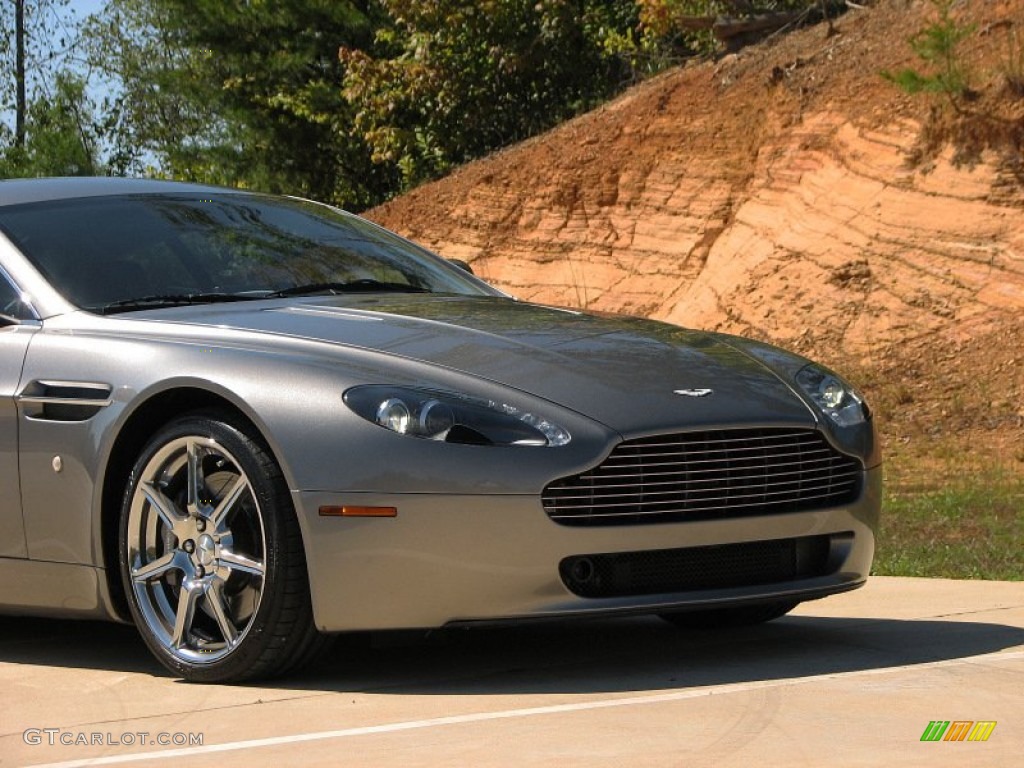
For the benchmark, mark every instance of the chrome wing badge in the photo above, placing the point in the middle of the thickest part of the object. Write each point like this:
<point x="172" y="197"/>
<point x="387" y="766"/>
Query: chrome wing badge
<point x="693" y="392"/>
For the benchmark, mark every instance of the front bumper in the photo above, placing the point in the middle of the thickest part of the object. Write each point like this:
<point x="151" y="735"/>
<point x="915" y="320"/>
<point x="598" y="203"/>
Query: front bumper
<point x="456" y="559"/>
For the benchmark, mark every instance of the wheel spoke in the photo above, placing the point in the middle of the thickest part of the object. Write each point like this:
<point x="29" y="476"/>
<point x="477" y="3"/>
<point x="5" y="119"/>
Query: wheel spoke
<point x="196" y="479"/>
<point x="156" y="567"/>
<point x="237" y="562"/>
<point x="186" y="612"/>
<point x="226" y="504"/>
<point x="163" y="506"/>
<point x="215" y="600"/>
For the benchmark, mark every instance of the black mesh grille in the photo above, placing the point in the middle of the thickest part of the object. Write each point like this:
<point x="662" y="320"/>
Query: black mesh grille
<point x="705" y="475"/>
<point x="680" y="570"/>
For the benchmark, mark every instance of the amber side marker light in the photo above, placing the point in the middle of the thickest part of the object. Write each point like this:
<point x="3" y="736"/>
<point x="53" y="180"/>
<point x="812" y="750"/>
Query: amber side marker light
<point x="358" y="512"/>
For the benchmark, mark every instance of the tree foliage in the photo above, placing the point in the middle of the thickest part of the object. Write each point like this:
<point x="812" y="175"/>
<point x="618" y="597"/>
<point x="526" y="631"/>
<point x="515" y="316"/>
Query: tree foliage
<point x="58" y="132"/>
<point x="162" y="111"/>
<point x="62" y="137"/>
<point x="243" y="94"/>
<point x="451" y="80"/>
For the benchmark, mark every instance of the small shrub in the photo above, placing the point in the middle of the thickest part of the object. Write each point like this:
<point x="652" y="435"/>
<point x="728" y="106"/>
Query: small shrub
<point x="937" y="45"/>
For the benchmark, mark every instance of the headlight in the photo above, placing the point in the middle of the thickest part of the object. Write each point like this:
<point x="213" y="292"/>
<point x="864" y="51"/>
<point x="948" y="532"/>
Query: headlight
<point x="451" y="417"/>
<point x="836" y="399"/>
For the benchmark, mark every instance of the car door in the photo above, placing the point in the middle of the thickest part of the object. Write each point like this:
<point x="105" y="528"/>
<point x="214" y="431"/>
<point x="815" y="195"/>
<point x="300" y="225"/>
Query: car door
<point x="17" y="324"/>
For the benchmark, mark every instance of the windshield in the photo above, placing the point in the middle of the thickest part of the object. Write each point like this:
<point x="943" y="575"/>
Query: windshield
<point x="135" y="252"/>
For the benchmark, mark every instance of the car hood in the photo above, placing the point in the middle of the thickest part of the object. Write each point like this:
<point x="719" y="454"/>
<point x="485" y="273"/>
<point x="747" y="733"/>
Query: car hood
<point x="620" y="371"/>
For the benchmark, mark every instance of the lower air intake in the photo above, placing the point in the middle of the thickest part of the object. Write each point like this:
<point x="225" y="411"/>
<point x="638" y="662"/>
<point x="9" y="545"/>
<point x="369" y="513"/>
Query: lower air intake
<point x="660" y="571"/>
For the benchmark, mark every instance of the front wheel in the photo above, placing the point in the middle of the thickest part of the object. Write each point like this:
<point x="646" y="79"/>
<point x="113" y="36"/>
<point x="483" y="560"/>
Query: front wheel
<point x="724" y="618"/>
<point x="211" y="555"/>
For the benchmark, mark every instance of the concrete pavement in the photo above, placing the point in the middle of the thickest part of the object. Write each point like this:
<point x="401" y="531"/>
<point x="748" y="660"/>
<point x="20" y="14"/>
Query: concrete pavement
<point x="852" y="680"/>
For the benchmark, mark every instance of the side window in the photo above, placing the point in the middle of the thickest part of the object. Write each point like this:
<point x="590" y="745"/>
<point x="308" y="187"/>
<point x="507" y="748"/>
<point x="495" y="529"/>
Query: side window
<point x="10" y="301"/>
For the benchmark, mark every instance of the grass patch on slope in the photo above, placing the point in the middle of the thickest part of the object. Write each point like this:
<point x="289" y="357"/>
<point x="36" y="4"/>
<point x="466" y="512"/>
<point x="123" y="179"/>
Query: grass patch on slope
<point x="965" y="526"/>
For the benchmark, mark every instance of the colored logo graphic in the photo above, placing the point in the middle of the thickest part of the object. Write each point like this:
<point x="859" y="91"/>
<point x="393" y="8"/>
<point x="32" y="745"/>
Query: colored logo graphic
<point x="958" y="730"/>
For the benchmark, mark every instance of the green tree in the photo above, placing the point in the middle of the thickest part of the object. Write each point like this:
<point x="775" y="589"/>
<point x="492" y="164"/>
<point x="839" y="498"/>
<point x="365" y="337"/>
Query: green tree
<point x="239" y="93"/>
<point x="161" y="109"/>
<point x="451" y="80"/>
<point x="61" y="137"/>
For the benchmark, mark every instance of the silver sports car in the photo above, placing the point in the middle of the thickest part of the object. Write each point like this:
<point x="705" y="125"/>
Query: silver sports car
<point x="244" y="422"/>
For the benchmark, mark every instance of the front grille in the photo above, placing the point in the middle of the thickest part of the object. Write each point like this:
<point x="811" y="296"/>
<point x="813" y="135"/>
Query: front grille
<point x="707" y="475"/>
<point x="662" y="571"/>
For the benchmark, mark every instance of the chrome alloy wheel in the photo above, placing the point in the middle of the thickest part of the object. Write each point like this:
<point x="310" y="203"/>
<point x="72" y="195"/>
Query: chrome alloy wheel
<point x="196" y="549"/>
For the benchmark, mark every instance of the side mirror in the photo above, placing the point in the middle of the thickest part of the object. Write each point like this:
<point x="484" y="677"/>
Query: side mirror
<point x="464" y="265"/>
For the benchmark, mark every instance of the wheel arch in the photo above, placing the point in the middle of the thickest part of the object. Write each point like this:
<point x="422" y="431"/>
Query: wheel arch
<point x="148" y="417"/>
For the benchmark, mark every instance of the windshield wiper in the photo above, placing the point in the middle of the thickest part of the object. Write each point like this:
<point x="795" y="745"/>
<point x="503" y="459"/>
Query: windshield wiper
<point x="157" y="301"/>
<point x="356" y="286"/>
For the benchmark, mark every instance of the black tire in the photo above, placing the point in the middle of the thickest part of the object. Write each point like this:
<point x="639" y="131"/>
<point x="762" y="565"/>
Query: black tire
<point x="726" y="618"/>
<point x="216" y="581"/>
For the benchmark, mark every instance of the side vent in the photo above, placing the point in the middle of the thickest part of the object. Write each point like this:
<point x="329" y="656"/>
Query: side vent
<point x="64" y="400"/>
